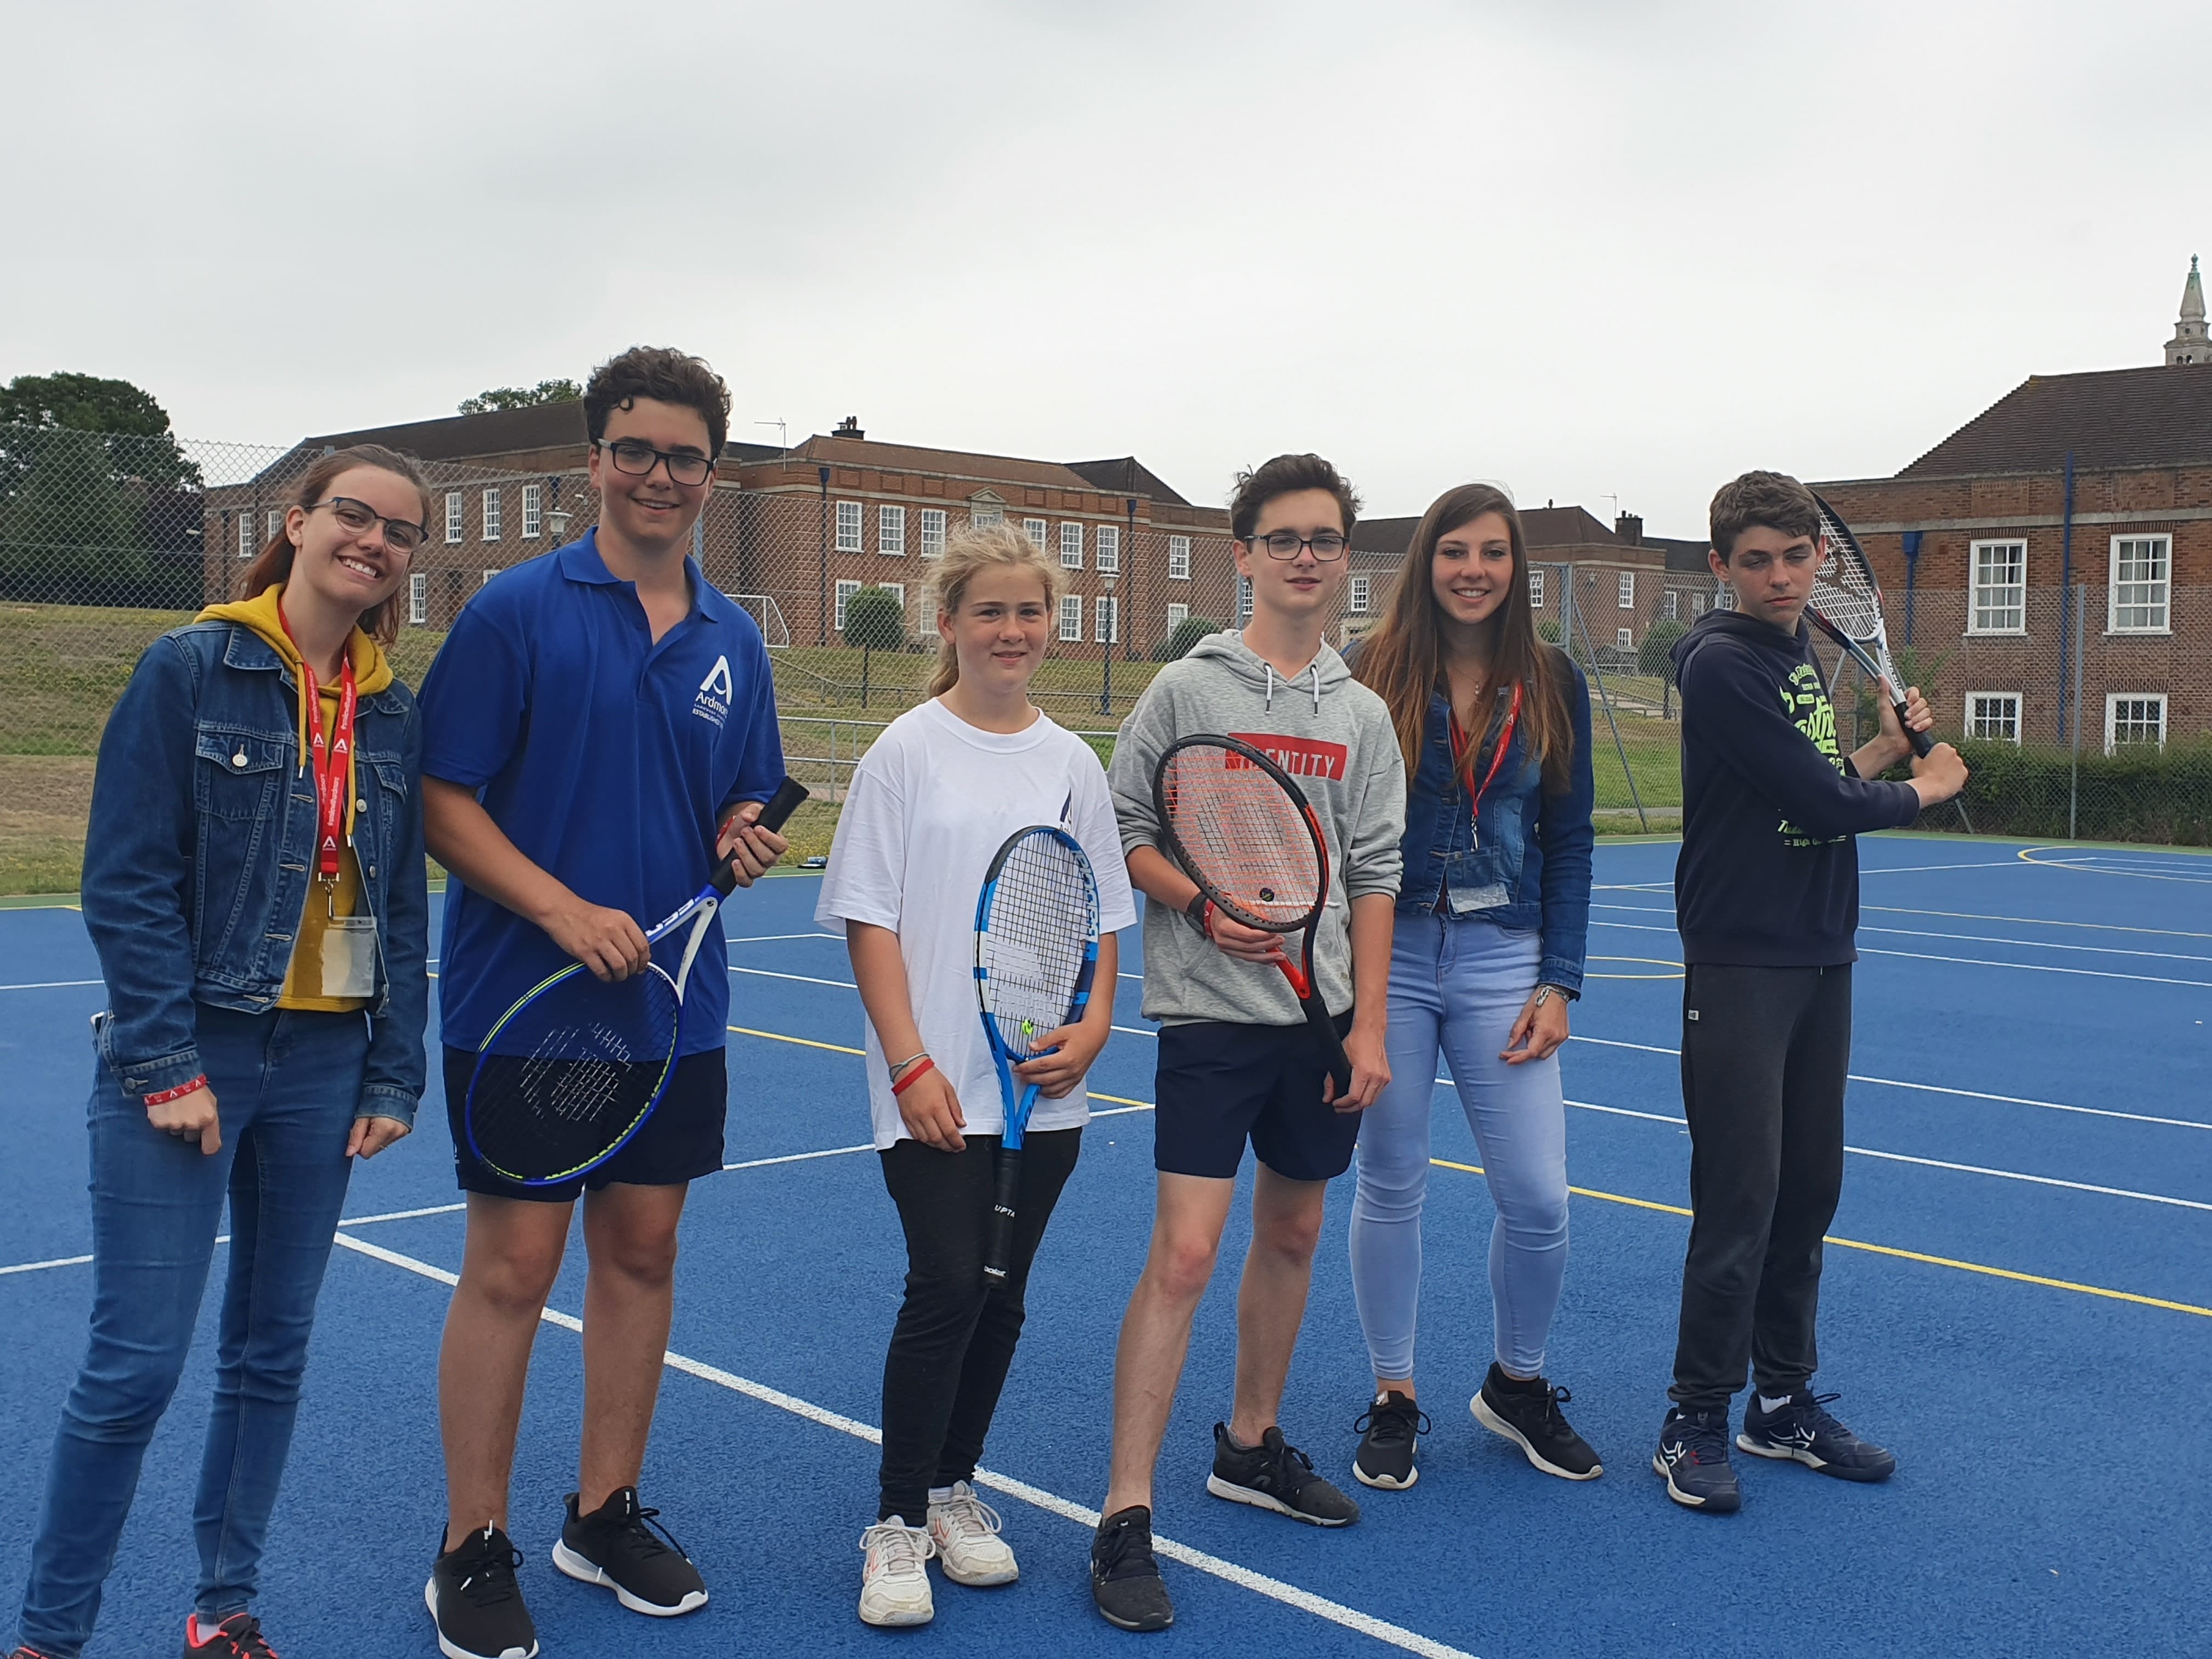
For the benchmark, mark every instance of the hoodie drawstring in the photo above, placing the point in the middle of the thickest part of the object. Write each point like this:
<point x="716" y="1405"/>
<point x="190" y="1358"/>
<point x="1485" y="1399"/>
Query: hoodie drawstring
<point x="1317" y="686"/>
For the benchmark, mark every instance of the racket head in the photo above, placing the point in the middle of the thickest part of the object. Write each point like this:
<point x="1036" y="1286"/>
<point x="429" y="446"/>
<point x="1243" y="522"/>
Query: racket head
<point x="1844" y="592"/>
<point x="1243" y="831"/>
<point x="1037" y="944"/>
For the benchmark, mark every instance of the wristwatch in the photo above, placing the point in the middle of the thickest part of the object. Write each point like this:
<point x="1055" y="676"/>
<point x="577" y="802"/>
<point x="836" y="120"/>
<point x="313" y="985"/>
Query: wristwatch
<point x="1546" y="993"/>
<point x="1196" y="910"/>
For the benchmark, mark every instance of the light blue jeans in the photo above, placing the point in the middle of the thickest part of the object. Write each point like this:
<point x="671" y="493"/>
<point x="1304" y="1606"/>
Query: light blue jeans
<point x="285" y="1086"/>
<point x="1456" y="987"/>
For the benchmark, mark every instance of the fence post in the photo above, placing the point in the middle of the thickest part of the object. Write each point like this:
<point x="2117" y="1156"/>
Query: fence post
<point x="1605" y="699"/>
<point x="2073" y="779"/>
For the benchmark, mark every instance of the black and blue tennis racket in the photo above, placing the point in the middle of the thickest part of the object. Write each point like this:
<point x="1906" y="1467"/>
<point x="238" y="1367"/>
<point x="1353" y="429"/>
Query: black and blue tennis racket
<point x="1036" y="952"/>
<point x="571" y="1070"/>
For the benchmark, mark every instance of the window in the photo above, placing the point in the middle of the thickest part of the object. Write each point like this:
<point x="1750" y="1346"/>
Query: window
<point x="1697" y="606"/>
<point x="2142" y="571"/>
<point x="418" y="595"/>
<point x="1070" y="617"/>
<point x="452" y="516"/>
<point x="1363" y="590"/>
<point x="487" y="576"/>
<point x="2133" y="719"/>
<point x="1039" y="532"/>
<point x="1670" y="604"/>
<point x="1071" y="546"/>
<point x="1110" y="549"/>
<point x="845" y="592"/>
<point x="533" y="510"/>
<point x="1998" y="603"/>
<point x="898" y="588"/>
<point x="1628" y="590"/>
<point x="1994" y="715"/>
<point x="1625" y="638"/>
<point x="890" y="532"/>
<point x="1178" y="558"/>
<point x="932" y="532"/>
<point x="245" y="535"/>
<point x="1177" y="615"/>
<point x="1107" y="628"/>
<point x="848" y="527"/>
<point x="1244" y="600"/>
<point x="1536" y="588"/>
<point x="272" y="523"/>
<point x="985" y="513"/>
<point x="494" y="520"/>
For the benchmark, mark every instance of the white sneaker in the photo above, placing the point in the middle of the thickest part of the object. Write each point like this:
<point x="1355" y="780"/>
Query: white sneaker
<point x="965" y="1530"/>
<point x="895" y="1576"/>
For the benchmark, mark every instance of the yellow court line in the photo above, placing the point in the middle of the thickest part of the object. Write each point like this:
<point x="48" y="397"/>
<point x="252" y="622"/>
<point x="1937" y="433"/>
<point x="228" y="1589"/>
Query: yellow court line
<point x="840" y="1049"/>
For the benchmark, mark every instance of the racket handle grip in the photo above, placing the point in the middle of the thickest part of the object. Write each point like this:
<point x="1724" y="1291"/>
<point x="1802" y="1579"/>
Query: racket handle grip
<point x="774" y="815"/>
<point x="1332" y="1045"/>
<point x="998" y="1252"/>
<point x="1921" y="742"/>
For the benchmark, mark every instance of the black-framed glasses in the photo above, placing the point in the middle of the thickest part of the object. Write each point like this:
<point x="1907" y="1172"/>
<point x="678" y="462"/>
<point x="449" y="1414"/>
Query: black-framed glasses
<point x="1327" y="547"/>
<point x="685" y="466"/>
<point x="402" y="536"/>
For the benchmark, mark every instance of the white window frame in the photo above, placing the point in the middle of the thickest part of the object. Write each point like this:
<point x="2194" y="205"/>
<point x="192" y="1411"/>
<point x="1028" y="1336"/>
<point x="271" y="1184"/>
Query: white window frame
<point x="1070" y="617"/>
<point x="2113" y="700"/>
<point x="987" y="513"/>
<point x="1628" y="590"/>
<point x="1071" y="547"/>
<point x="1359" y="594"/>
<point x="1670" y="606"/>
<point x="849" y="532"/>
<point x="891" y="531"/>
<point x="1178" y="558"/>
<point x="1039" y="531"/>
<point x="1177" y="616"/>
<point x="245" y="535"/>
<point x="843" y="593"/>
<point x="1107" y="620"/>
<point x="1624" y="639"/>
<point x="1978" y="717"/>
<point x="494" y="514"/>
<point x="1244" y="600"/>
<point x="933" y="532"/>
<point x="1696" y="606"/>
<point x="486" y="579"/>
<point x="418" y="598"/>
<point x="455" y="529"/>
<point x="1996" y="606"/>
<point x="272" y="522"/>
<point x="1536" y="588"/>
<point x="2151" y="597"/>
<point x="1110" y="549"/>
<point x="534" y="511"/>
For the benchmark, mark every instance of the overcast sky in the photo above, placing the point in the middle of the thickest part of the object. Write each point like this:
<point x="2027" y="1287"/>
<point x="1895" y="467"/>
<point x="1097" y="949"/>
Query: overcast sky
<point x="1589" y="250"/>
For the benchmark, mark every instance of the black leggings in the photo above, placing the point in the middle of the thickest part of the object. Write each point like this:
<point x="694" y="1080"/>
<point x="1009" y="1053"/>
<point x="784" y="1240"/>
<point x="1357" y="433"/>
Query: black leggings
<point x="954" y="1340"/>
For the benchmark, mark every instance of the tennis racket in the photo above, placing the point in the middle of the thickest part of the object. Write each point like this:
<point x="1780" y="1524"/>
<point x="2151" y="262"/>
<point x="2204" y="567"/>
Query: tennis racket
<point x="570" y="1073"/>
<point x="1036" y="953"/>
<point x="1243" y="831"/>
<point x="1846" y="606"/>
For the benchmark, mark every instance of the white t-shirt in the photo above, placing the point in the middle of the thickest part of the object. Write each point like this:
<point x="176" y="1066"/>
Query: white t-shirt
<point x="930" y="802"/>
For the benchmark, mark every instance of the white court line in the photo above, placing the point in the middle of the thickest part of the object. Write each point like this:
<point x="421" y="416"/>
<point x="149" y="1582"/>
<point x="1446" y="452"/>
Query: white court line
<point x="801" y="979"/>
<point x="1980" y="962"/>
<point x="2080" y="861"/>
<point x="796" y="1158"/>
<point x="2026" y="922"/>
<point x="35" y="1267"/>
<point x="1275" y="1589"/>
<point x="771" y="938"/>
<point x="1919" y="869"/>
<point x="1936" y="932"/>
<point x="52" y="985"/>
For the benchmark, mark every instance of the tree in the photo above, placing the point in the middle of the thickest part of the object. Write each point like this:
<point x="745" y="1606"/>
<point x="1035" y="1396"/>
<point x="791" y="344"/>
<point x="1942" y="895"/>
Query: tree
<point x="516" y="396"/>
<point x="1547" y="630"/>
<point x="1186" y="634"/>
<point x="875" y="621"/>
<point x="1652" y="658"/>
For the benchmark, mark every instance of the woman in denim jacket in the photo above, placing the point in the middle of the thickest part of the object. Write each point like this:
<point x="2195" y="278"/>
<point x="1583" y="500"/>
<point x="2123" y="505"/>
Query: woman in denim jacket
<point x="1493" y="913"/>
<point x="253" y="883"/>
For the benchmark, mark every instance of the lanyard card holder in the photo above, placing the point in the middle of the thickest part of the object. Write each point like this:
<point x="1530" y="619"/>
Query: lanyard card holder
<point x="348" y="955"/>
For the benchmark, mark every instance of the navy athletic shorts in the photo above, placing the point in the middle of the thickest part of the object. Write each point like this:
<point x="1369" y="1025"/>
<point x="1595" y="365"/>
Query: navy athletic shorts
<point x="681" y="1141"/>
<point x="1220" y="1085"/>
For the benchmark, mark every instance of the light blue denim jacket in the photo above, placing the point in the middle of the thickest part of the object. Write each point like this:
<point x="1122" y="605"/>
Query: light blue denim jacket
<point x="197" y="856"/>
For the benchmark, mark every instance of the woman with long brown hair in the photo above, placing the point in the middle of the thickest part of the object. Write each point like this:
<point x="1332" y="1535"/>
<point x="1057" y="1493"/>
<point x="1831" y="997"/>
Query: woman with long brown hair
<point x="1493" y="913"/>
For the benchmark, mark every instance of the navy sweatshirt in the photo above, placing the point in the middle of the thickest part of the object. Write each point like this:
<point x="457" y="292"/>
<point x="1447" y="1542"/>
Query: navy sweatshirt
<point x="1769" y="872"/>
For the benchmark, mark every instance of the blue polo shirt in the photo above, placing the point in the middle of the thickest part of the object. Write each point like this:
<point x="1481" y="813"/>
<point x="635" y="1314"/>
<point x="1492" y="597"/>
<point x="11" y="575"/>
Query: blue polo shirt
<point x="606" y="758"/>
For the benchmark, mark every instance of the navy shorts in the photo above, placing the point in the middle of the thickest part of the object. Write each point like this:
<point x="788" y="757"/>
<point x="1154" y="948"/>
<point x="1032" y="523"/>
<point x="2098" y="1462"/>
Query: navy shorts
<point x="680" y="1142"/>
<point x="1220" y="1085"/>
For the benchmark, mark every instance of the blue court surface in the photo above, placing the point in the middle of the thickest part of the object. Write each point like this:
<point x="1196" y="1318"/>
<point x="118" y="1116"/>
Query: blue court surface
<point x="2018" y="1301"/>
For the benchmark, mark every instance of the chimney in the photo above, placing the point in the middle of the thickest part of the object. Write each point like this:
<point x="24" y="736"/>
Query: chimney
<point x="850" y="427"/>
<point x="1628" y="527"/>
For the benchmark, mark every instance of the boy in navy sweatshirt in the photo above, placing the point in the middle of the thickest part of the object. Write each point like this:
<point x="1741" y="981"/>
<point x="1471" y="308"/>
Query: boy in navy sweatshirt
<point x="1766" y="895"/>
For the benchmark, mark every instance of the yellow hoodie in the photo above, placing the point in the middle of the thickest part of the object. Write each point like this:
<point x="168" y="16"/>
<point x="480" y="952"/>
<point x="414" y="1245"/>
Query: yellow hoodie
<point x="371" y="674"/>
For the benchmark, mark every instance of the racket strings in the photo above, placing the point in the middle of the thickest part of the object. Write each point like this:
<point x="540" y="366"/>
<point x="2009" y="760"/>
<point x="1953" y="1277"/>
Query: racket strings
<point x="573" y="1069"/>
<point x="1035" y="939"/>
<point x="1843" y="591"/>
<point x="1242" y="835"/>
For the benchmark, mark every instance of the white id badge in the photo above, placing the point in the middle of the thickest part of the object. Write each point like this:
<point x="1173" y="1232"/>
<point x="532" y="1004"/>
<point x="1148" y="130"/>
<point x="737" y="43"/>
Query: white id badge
<point x="350" y="956"/>
<point x="1464" y="889"/>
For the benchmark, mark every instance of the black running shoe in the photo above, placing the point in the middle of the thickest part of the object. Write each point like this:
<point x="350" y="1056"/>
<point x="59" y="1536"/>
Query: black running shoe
<point x="1276" y="1475"/>
<point x="1388" y="1430"/>
<point x="1693" y="1456"/>
<point x="623" y="1546"/>
<point x="1528" y="1413"/>
<point x="238" y="1636"/>
<point x="1802" y="1431"/>
<point x="479" y="1606"/>
<point x="1125" y="1580"/>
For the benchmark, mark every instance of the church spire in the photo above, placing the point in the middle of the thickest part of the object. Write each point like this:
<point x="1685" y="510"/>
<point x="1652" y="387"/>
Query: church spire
<point x="2190" y="344"/>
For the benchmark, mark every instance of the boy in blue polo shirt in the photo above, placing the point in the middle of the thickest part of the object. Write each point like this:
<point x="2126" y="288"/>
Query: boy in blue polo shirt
<point x="600" y="720"/>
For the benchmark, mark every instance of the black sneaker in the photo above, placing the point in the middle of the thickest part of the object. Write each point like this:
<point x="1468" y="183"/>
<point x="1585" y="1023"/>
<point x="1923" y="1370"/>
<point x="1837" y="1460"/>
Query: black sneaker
<point x="1802" y="1431"/>
<point x="1693" y="1456"/>
<point x="622" y="1546"/>
<point x="1125" y="1580"/>
<point x="1528" y="1413"/>
<point x="1388" y="1430"/>
<point x="238" y="1636"/>
<point x="479" y="1606"/>
<point x="1276" y="1475"/>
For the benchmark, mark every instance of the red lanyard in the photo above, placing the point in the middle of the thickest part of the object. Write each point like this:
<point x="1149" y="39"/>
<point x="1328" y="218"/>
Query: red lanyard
<point x="333" y="757"/>
<point x="1505" y="741"/>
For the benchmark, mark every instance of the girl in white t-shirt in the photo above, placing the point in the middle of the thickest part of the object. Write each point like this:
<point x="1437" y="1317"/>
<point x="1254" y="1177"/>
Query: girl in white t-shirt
<point x="936" y="796"/>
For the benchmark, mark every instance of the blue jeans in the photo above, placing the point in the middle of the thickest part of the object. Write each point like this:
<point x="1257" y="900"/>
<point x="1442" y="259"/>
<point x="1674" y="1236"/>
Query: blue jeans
<point x="1457" y="986"/>
<point x="287" y="1085"/>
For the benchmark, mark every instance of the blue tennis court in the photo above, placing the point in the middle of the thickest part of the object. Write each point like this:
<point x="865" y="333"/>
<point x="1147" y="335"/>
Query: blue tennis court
<point x="2018" y="1302"/>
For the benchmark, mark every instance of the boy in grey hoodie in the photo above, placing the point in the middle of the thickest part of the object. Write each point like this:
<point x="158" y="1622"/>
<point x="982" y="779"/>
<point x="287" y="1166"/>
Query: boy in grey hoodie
<point x="1237" y="1059"/>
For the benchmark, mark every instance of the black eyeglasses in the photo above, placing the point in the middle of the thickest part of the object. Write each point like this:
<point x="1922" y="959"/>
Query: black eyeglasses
<point x="402" y="536"/>
<point x="685" y="466"/>
<point x="1327" y="547"/>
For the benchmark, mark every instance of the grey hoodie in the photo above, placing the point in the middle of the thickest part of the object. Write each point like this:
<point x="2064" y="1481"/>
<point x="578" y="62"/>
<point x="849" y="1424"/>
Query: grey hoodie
<point x="1334" y="736"/>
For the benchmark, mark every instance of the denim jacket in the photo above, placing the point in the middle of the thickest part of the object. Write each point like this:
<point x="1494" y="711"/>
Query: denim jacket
<point x="197" y="853"/>
<point x="1530" y="865"/>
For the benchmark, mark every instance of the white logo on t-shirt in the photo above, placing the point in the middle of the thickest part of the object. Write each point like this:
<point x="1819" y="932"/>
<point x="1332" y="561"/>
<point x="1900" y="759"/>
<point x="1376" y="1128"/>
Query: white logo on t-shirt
<point x="713" y="702"/>
<point x="718" y="679"/>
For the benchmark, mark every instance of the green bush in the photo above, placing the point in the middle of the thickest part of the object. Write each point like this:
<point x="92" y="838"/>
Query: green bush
<point x="1547" y="629"/>
<point x="1651" y="658"/>
<point x="2140" y="793"/>
<point x="1187" y="632"/>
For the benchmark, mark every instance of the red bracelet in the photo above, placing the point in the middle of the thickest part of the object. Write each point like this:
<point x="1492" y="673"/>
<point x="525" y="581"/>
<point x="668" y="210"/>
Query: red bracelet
<point x="179" y="1092"/>
<point x="924" y="1065"/>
